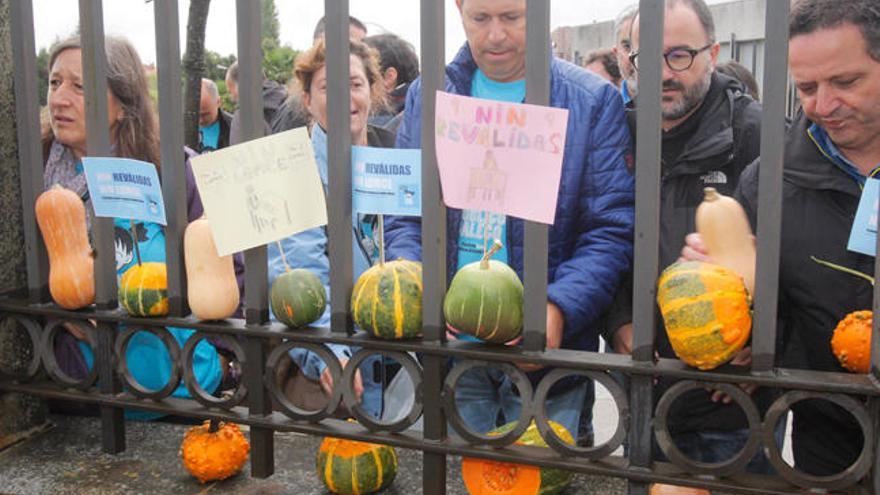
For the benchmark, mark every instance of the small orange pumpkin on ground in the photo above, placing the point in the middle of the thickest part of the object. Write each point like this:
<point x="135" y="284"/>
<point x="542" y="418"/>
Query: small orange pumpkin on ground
<point x="214" y="450"/>
<point x="851" y="341"/>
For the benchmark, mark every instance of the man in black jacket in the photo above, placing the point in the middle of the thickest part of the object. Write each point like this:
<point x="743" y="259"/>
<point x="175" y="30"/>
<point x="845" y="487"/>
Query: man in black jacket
<point x="711" y="132"/>
<point x="214" y="122"/>
<point x="831" y="151"/>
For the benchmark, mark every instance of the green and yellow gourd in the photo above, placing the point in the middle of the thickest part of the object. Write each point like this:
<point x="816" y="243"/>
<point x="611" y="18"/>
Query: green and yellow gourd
<point x="349" y="467"/>
<point x="143" y="289"/>
<point x="387" y="300"/>
<point x="297" y="297"/>
<point x="705" y="308"/>
<point x="485" y="300"/>
<point x="485" y="477"/>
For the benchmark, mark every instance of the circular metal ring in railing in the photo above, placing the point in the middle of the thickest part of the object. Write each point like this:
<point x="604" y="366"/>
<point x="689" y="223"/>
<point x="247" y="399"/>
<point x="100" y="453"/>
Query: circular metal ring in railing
<point x="192" y="384"/>
<point x="723" y="468"/>
<point x="130" y="382"/>
<point x="553" y="439"/>
<point x="287" y="407"/>
<point x="843" y="479"/>
<point x="408" y="364"/>
<point x="51" y="364"/>
<point x="519" y="379"/>
<point x="33" y="331"/>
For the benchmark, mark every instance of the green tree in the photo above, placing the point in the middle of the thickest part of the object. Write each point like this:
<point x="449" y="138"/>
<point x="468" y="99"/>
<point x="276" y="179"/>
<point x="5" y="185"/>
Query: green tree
<point x="270" y="27"/>
<point x="278" y="63"/>
<point x="216" y="65"/>
<point x="194" y="68"/>
<point x="43" y="74"/>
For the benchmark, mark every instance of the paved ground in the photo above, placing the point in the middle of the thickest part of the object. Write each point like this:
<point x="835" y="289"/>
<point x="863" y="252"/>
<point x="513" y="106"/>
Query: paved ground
<point x="67" y="459"/>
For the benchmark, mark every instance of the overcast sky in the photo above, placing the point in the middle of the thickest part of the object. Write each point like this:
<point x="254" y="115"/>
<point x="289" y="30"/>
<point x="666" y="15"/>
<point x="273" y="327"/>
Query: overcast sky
<point x="134" y="19"/>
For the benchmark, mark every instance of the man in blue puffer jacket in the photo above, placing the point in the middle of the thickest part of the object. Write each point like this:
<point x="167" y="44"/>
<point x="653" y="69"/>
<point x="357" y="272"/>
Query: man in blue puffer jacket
<point x="590" y="243"/>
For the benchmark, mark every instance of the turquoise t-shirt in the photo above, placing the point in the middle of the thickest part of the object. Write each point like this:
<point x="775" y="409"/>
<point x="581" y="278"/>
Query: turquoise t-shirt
<point x="471" y="235"/>
<point x="148" y="360"/>
<point x="210" y="136"/>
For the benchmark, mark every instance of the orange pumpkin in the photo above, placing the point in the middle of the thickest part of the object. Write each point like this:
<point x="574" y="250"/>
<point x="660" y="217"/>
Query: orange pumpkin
<point x="61" y="217"/>
<point x="212" y="290"/>
<point x="214" y="450"/>
<point x="851" y="341"/>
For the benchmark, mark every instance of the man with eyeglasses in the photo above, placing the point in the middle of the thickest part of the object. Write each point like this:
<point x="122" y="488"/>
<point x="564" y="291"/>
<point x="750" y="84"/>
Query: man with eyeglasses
<point x="622" y="49"/>
<point x="832" y="155"/>
<point x="711" y="132"/>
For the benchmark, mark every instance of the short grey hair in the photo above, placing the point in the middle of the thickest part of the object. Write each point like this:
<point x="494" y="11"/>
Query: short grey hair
<point x="625" y="15"/>
<point x="210" y="87"/>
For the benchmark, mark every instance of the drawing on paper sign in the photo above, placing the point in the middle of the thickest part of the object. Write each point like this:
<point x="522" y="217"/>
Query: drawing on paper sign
<point x="407" y="195"/>
<point x="487" y="183"/>
<point x="265" y="211"/>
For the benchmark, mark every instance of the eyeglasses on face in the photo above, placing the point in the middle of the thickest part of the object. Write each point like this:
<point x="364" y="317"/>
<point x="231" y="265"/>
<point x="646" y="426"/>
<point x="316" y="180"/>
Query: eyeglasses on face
<point x="678" y="59"/>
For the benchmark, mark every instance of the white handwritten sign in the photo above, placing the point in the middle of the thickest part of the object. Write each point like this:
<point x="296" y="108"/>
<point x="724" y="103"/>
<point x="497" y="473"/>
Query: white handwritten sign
<point x="261" y="191"/>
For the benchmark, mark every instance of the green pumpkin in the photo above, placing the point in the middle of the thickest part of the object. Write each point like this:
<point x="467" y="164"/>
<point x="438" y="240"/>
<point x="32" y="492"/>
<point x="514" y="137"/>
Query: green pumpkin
<point x="143" y="290"/>
<point x="387" y="300"/>
<point x="349" y="467"/>
<point x="297" y="297"/>
<point x="485" y="300"/>
<point x="502" y="478"/>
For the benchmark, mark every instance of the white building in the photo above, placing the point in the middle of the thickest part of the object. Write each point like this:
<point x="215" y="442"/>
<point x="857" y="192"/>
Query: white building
<point x="739" y="28"/>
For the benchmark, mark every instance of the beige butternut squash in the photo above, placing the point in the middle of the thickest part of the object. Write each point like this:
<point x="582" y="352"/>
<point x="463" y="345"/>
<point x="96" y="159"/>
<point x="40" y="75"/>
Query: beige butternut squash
<point x="211" y="286"/>
<point x="724" y="227"/>
<point x="61" y="217"/>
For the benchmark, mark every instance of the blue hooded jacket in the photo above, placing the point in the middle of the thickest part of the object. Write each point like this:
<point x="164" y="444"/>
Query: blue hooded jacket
<point x="590" y="244"/>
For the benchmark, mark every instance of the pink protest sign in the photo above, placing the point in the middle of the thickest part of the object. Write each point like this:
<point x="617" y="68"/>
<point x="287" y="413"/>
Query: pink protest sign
<point x="500" y="157"/>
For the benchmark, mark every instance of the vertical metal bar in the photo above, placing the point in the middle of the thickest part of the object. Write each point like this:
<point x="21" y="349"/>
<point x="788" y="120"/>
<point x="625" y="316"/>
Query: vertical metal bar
<point x="433" y="22"/>
<point x="250" y="80"/>
<point x="94" y="64"/>
<point x="647" y="229"/>
<point x="250" y="101"/>
<point x="770" y="186"/>
<point x="536" y="234"/>
<point x="171" y="138"/>
<point x="339" y="163"/>
<point x="27" y="125"/>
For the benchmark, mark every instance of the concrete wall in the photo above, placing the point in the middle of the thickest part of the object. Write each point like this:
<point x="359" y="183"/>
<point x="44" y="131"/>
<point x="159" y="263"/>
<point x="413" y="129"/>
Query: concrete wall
<point x="19" y="414"/>
<point x="742" y="18"/>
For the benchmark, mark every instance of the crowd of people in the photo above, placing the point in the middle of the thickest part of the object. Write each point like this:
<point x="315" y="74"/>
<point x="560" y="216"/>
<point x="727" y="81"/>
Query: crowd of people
<point x="711" y="129"/>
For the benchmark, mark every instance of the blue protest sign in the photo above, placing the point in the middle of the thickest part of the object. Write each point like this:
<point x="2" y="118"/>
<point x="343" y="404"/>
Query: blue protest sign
<point x="124" y="188"/>
<point x="863" y="237"/>
<point x="386" y="181"/>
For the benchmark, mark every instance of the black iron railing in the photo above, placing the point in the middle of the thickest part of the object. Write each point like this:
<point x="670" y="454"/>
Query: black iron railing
<point x="259" y="345"/>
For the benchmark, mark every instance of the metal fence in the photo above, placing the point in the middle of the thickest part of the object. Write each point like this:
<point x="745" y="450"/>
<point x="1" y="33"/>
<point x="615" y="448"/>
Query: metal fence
<point x="255" y="341"/>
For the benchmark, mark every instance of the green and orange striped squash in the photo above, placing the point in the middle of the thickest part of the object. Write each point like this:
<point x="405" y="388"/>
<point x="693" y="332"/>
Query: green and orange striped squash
<point x="349" y="467"/>
<point x="485" y="477"/>
<point x="706" y="311"/>
<point x="387" y="300"/>
<point x="297" y="297"/>
<point x="143" y="289"/>
<point x="485" y="300"/>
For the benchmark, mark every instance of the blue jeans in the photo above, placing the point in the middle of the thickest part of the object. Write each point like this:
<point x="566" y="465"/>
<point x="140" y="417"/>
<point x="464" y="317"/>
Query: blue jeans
<point x="486" y="398"/>
<point x="718" y="446"/>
